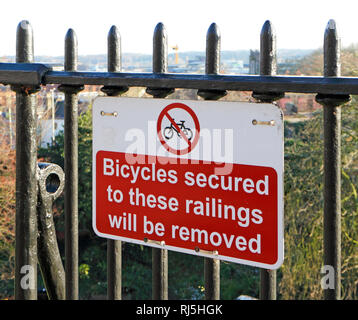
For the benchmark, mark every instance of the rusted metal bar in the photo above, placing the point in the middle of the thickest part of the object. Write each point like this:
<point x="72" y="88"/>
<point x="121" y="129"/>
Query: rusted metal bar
<point x="51" y="181"/>
<point x="332" y="162"/>
<point x="268" y="67"/>
<point x="71" y="169"/>
<point x="114" y="247"/>
<point x="160" y="66"/>
<point x="26" y="167"/>
<point x="212" y="67"/>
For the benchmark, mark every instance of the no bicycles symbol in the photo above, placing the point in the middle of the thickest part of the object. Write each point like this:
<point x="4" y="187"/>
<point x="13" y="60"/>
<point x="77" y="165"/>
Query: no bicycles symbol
<point x="178" y="128"/>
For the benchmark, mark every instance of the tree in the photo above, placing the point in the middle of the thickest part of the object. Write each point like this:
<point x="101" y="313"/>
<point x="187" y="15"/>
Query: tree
<point x="312" y="65"/>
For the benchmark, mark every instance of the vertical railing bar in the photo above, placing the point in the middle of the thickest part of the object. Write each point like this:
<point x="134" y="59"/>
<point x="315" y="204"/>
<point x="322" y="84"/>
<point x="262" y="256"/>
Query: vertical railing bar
<point x="26" y="182"/>
<point x="71" y="169"/>
<point x="332" y="162"/>
<point x="71" y="174"/>
<point x="114" y="247"/>
<point x="212" y="66"/>
<point x="160" y="256"/>
<point x="159" y="274"/>
<point x="332" y="166"/>
<point x="268" y="67"/>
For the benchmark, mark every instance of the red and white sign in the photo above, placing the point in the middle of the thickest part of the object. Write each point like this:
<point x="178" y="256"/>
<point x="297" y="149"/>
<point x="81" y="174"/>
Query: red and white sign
<point x="198" y="177"/>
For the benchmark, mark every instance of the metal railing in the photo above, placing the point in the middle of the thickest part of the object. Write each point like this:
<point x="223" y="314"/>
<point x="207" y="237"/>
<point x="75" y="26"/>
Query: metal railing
<point x="27" y="77"/>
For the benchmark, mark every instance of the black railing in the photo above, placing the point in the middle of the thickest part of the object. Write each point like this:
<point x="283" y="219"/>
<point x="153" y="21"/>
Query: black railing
<point x="39" y="74"/>
<point x="27" y="77"/>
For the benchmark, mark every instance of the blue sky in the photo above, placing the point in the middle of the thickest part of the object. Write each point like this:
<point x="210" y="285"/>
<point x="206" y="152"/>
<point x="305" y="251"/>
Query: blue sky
<point x="299" y="24"/>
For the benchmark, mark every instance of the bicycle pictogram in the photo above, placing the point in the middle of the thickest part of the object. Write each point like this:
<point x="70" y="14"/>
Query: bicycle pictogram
<point x="190" y="132"/>
<point x="169" y="130"/>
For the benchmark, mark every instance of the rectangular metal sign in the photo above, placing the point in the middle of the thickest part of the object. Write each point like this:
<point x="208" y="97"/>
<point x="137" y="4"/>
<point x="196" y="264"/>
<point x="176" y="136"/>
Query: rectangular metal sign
<point x="199" y="177"/>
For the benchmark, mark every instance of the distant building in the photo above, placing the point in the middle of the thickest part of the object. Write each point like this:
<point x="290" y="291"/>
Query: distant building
<point x="298" y="103"/>
<point x="233" y="66"/>
<point x="291" y="108"/>
<point x="254" y="62"/>
<point x="56" y="66"/>
<point x="196" y="65"/>
<point x="49" y="127"/>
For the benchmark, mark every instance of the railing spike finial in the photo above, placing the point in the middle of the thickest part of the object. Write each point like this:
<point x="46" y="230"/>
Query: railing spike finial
<point x="114" y="60"/>
<point x="213" y="43"/>
<point x="160" y="59"/>
<point x="114" y="49"/>
<point x="212" y="61"/>
<point x="24" y="43"/>
<point x="332" y="64"/>
<point x="331" y="48"/>
<point x="268" y="60"/>
<point x="160" y="49"/>
<point x="268" y="27"/>
<point x="71" y="49"/>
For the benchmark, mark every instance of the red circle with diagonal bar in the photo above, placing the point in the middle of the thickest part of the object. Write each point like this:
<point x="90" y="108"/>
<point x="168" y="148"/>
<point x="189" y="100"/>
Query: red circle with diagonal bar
<point x="191" y="144"/>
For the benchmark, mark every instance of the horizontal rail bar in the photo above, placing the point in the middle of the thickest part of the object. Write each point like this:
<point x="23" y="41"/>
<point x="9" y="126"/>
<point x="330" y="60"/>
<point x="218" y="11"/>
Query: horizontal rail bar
<point x="342" y="85"/>
<point x="22" y="73"/>
<point x="39" y="74"/>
